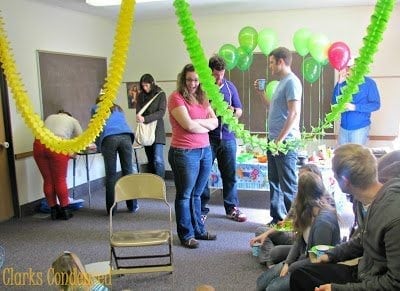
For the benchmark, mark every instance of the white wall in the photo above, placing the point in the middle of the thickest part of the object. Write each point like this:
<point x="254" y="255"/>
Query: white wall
<point x="31" y="27"/>
<point x="157" y="48"/>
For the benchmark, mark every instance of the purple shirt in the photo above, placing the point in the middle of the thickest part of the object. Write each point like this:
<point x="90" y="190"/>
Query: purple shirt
<point x="231" y="96"/>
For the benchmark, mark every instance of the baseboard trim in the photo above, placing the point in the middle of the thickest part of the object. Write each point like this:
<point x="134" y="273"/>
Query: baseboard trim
<point x="80" y="191"/>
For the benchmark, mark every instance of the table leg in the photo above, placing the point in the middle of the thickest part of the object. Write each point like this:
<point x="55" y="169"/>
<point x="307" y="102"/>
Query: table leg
<point x="88" y="178"/>
<point x="136" y="160"/>
<point x="73" y="176"/>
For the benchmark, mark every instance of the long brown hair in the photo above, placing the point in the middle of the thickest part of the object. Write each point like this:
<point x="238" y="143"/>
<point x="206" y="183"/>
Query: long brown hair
<point x="310" y="195"/>
<point x="182" y="88"/>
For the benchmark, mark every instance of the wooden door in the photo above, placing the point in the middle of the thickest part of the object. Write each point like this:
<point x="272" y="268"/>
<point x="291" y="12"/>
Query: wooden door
<point x="6" y="195"/>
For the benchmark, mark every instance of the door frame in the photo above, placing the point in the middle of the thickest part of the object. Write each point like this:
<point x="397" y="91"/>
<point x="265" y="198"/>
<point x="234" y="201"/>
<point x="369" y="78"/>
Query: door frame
<point x="10" y="151"/>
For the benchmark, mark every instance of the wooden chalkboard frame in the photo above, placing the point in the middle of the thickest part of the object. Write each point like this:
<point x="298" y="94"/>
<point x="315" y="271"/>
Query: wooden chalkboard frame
<point x="70" y="82"/>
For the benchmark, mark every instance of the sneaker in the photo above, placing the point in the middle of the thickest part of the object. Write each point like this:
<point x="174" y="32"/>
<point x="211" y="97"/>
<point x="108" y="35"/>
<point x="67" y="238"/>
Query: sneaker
<point x="190" y="243"/>
<point x="203" y="218"/>
<point x="206" y="236"/>
<point x="237" y="215"/>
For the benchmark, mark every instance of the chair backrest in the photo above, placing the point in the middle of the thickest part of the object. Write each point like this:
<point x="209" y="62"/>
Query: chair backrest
<point x="140" y="186"/>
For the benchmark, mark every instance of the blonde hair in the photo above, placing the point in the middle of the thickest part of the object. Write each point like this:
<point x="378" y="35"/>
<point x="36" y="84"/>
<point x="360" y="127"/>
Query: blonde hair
<point x="66" y="265"/>
<point x="356" y="163"/>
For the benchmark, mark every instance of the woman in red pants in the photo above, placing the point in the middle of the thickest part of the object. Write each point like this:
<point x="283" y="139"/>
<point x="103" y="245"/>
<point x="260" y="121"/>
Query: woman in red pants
<point x="53" y="166"/>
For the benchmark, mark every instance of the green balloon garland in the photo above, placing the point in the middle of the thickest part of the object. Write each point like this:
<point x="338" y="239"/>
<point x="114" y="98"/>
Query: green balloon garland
<point x="379" y="19"/>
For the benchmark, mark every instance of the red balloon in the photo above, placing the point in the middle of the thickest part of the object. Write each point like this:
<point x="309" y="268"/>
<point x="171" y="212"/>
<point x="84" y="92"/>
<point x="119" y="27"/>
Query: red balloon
<point x="338" y="55"/>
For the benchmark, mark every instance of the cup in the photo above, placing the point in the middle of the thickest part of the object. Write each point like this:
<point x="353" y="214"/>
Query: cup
<point x="2" y="256"/>
<point x="261" y="84"/>
<point x="256" y="249"/>
<point x="321" y="250"/>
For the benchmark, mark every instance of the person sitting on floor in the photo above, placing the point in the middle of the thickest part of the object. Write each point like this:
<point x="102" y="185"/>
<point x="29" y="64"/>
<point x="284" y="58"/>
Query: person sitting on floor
<point x="376" y="241"/>
<point x="315" y="223"/>
<point x="275" y="245"/>
<point x="68" y="273"/>
<point x="388" y="168"/>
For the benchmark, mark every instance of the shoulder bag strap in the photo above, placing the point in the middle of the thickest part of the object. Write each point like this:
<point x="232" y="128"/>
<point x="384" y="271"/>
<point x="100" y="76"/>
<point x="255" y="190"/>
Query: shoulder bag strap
<point x="148" y="103"/>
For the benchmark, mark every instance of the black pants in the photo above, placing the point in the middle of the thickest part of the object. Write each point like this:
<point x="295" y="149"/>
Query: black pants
<point x="308" y="277"/>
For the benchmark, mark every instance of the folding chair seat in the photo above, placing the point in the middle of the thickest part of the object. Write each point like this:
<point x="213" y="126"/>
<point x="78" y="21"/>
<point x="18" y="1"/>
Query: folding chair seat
<point x="143" y="243"/>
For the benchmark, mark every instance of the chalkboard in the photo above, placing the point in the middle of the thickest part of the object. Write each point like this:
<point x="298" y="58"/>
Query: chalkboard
<point x="70" y="82"/>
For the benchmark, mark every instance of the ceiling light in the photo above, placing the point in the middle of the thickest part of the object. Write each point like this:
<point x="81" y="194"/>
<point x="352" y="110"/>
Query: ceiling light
<point x="113" y="2"/>
<point x="103" y="2"/>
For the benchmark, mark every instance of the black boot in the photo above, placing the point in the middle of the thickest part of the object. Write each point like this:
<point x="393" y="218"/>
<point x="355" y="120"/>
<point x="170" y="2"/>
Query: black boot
<point x="65" y="213"/>
<point x="55" y="212"/>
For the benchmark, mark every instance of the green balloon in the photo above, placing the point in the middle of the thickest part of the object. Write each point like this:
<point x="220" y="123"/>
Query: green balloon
<point x="267" y="40"/>
<point x="248" y="37"/>
<point x="311" y="69"/>
<point x="300" y="41"/>
<point x="270" y="89"/>
<point x="230" y="54"/>
<point x="244" y="59"/>
<point x="318" y="45"/>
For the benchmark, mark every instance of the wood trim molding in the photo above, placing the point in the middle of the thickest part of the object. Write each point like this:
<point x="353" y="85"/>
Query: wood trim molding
<point x="386" y="77"/>
<point x="261" y="135"/>
<point x="23" y="155"/>
<point x="383" y="137"/>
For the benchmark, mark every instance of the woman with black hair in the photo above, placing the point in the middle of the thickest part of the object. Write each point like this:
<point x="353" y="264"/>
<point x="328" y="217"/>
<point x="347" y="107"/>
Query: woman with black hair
<point x="156" y="111"/>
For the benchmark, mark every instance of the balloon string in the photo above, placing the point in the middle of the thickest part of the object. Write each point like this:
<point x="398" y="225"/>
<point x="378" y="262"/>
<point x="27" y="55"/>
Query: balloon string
<point x="311" y="107"/>
<point x="266" y="107"/>
<point x="303" y="102"/>
<point x="248" y="102"/>
<point x="320" y="86"/>
<point x="319" y="95"/>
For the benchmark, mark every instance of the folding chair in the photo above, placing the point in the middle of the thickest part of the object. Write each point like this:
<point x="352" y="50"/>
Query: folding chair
<point x="140" y="246"/>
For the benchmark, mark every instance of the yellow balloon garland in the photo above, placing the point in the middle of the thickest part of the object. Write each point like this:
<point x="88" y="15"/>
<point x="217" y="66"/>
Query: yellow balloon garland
<point x="113" y="81"/>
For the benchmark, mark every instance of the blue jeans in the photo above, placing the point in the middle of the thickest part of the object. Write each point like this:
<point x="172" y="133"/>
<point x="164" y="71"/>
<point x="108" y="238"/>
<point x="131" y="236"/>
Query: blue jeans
<point x="111" y="145"/>
<point x="155" y="158"/>
<point x="358" y="136"/>
<point x="271" y="281"/>
<point x="225" y="152"/>
<point x="282" y="176"/>
<point x="191" y="169"/>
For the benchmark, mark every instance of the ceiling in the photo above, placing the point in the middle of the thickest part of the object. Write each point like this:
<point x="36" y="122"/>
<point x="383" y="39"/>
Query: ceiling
<point x="165" y="9"/>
